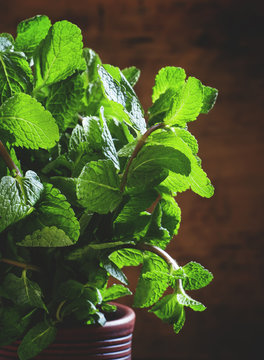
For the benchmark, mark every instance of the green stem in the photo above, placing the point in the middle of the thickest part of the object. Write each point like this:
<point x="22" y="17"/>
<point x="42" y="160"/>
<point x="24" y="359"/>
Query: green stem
<point x="138" y="147"/>
<point x="8" y="160"/>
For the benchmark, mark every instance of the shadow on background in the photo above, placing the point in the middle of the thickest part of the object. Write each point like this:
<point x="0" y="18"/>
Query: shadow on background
<point x="220" y="42"/>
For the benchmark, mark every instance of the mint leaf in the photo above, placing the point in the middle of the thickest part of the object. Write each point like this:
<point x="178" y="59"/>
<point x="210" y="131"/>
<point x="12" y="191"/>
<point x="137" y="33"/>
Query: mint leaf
<point x="209" y="99"/>
<point x="58" y="55"/>
<point x="156" y="234"/>
<point x="53" y="210"/>
<point x="64" y="101"/>
<point x="186" y="300"/>
<point x="32" y="187"/>
<point x="32" y="125"/>
<point x="149" y="291"/>
<point x="171" y="214"/>
<point x="161" y="106"/>
<point x="23" y="292"/>
<point x="196" y="276"/>
<point x="132" y="75"/>
<point x="135" y="205"/>
<point x="47" y="237"/>
<point x="187" y="104"/>
<point x="169" y="77"/>
<point x="126" y="257"/>
<point x="98" y="187"/>
<point x="37" y="339"/>
<point x="118" y="89"/>
<point x="133" y="220"/>
<point x="114" y="292"/>
<point x="99" y="138"/>
<point x="114" y="271"/>
<point x="197" y="179"/>
<point x="17" y="198"/>
<point x="15" y="75"/>
<point x="13" y="323"/>
<point x="168" y="309"/>
<point x="6" y="42"/>
<point x="177" y="326"/>
<point x="152" y="159"/>
<point x="67" y="187"/>
<point x="30" y="33"/>
<point x="188" y="139"/>
<point x="92" y="61"/>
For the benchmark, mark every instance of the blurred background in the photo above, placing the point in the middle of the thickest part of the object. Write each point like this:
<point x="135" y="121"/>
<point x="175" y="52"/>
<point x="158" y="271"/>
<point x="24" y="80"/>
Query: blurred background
<point x="221" y="43"/>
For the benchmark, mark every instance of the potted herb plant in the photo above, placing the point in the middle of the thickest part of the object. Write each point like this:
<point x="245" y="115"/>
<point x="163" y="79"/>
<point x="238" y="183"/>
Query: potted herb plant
<point x="80" y="167"/>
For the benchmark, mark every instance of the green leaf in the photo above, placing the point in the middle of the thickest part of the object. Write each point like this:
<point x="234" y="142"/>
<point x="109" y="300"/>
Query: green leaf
<point x="126" y="257"/>
<point x="171" y="214"/>
<point x="157" y="235"/>
<point x="6" y="42"/>
<point x="92" y="61"/>
<point x="132" y="221"/>
<point x="72" y="289"/>
<point x="30" y="33"/>
<point x="64" y="101"/>
<point x="99" y="137"/>
<point x="187" y="105"/>
<point x="168" y="309"/>
<point x="13" y="323"/>
<point x="148" y="292"/>
<point x="161" y="106"/>
<point x="15" y="75"/>
<point x="136" y="203"/>
<point x="32" y="125"/>
<point x="98" y="187"/>
<point x="80" y="310"/>
<point x="114" y="271"/>
<point x="186" y="300"/>
<point x="132" y="75"/>
<point x="32" y="187"/>
<point x="168" y="77"/>
<point x="37" y="339"/>
<point x="197" y="179"/>
<point x="58" y="55"/>
<point x="54" y="209"/>
<point x="17" y="197"/>
<point x="209" y="99"/>
<point x="47" y="237"/>
<point x="67" y="187"/>
<point x="118" y="89"/>
<point x="23" y="292"/>
<point x="180" y="322"/>
<point x="152" y="159"/>
<point x="196" y="276"/>
<point x="114" y="292"/>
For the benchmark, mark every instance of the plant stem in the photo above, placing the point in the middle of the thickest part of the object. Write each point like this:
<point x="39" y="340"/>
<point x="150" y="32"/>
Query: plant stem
<point x="138" y="147"/>
<point x="8" y="160"/>
<point x="20" y="264"/>
<point x="162" y="253"/>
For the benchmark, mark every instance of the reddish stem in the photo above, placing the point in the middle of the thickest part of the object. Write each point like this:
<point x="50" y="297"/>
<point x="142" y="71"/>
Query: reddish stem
<point x="8" y="160"/>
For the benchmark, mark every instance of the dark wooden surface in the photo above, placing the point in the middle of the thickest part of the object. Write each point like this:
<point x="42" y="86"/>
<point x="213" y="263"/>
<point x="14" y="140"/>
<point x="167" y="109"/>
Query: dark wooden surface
<point x="220" y="42"/>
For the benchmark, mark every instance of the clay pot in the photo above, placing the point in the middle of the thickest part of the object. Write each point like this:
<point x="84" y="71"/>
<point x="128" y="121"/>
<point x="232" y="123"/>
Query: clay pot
<point x="112" y="341"/>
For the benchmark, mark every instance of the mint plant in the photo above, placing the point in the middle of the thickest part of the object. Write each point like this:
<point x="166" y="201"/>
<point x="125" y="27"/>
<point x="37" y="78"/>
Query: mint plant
<point x="79" y="168"/>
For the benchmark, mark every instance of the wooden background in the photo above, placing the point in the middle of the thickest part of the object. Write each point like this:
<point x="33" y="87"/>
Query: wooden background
<point x="221" y="43"/>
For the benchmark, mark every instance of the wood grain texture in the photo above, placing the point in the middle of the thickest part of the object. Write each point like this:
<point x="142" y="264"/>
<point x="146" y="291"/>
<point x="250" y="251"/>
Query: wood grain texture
<point x="220" y="43"/>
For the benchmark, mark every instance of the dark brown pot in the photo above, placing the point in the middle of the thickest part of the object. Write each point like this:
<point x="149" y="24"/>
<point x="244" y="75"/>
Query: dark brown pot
<point x="112" y="341"/>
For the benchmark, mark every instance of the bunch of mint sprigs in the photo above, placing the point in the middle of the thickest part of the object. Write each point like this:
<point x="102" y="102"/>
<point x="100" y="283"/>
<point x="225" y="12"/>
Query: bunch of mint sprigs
<point x="79" y="166"/>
